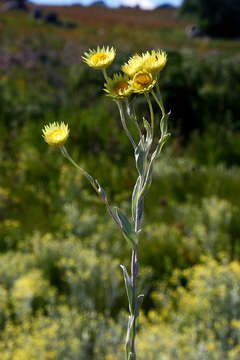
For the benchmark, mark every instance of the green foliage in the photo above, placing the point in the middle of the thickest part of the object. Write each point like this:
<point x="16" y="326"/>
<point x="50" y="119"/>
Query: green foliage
<point x="198" y="321"/>
<point x="218" y="18"/>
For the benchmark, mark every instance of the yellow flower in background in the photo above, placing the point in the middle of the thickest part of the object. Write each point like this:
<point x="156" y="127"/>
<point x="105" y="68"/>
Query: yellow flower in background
<point x="142" y="82"/>
<point x="55" y="134"/>
<point x="154" y="61"/>
<point x="100" y="58"/>
<point x="118" y="87"/>
<point x="133" y="65"/>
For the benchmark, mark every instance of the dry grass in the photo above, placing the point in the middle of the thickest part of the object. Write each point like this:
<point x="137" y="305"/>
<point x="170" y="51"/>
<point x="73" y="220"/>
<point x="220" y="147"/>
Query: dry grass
<point x="97" y="15"/>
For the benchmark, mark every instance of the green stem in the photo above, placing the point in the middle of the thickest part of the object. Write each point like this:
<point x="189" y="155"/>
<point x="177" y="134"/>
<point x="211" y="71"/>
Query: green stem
<point x="105" y="74"/>
<point x="133" y="117"/>
<point x="85" y="173"/>
<point x="151" y="112"/>
<point x="159" y="100"/>
<point x="94" y="184"/>
<point x="134" y="271"/>
<point x="120" y="108"/>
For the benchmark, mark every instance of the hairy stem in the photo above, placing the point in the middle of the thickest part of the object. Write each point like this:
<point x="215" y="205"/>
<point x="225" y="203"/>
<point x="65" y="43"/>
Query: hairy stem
<point x="105" y="74"/>
<point x="159" y="101"/>
<point x="151" y="112"/>
<point x="122" y="116"/>
<point x="134" y="270"/>
<point x="133" y="117"/>
<point x="94" y="184"/>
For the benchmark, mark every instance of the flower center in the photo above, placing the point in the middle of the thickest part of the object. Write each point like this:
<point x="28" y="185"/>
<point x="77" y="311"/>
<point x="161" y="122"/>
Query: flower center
<point x="142" y="80"/>
<point x="120" y="86"/>
<point x="98" y="57"/>
<point x="57" y="134"/>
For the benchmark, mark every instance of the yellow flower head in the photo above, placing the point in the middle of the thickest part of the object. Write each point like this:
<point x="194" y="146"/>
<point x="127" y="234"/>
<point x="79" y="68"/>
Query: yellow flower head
<point x="100" y="58"/>
<point x="56" y="134"/>
<point x="133" y="65"/>
<point x="142" y="82"/>
<point x="118" y="87"/>
<point x="154" y="61"/>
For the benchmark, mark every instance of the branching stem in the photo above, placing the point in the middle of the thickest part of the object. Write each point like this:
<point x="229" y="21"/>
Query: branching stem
<point x="122" y="116"/>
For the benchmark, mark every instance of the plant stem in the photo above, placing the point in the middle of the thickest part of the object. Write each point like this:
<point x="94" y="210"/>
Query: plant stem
<point x="159" y="100"/>
<point x="133" y="117"/>
<point x="94" y="184"/>
<point x="122" y="116"/>
<point x="134" y="271"/>
<point x="105" y="74"/>
<point x="151" y="112"/>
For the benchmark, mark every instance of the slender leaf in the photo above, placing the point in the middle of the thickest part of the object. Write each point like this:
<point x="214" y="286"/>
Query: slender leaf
<point x="100" y="190"/>
<point x="128" y="285"/>
<point x="126" y="227"/>
<point x="139" y="304"/>
<point x="129" y="334"/>
<point x="140" y="155"/>
<point x="139" y="210"/>
<point x="132" y="356"/>
<point x="148" y="139"/>
<point x="164" y="124"/>
<point x="162" y="141"/>
<point x="135" y="195"/>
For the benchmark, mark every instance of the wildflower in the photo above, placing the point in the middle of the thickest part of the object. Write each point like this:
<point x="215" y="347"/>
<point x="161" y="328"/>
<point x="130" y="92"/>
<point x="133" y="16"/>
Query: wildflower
<point x="100" y="58"/>
<point x="118" y="87"/>
<point x="154" y="61"/>
<point x="55" y="134"/>
<point x="142" y="82"/>
<point x="133" y="65"/>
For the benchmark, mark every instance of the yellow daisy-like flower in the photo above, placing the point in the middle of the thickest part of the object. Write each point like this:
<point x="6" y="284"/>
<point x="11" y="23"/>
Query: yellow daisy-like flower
<point x="55" y="134"/>
<point x="133" y="65"/>
<point x="142" y="82"/>
<point x="100" y="58"/>
<point x="154" y="61"/>
<point x="118" y="87"/>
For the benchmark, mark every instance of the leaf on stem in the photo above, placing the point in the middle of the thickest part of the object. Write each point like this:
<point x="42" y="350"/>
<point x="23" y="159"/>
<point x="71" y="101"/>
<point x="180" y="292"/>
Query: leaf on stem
<point x="139" y="304"/>
<point x="128" y="285"/>
<point x="162" y="141"/>
<point x="148" y="138"/>
<point x="140" y="155"/>
<point x="164" y="123"/>
<point x="100" y="190"/>
<point x="135" y="195"/>
<point x="126" y="226"/>
<point x="132" y="356"/>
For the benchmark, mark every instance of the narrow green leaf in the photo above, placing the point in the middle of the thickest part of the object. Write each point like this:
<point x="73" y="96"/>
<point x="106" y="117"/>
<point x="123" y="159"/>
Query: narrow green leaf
<point x="139" y="304"/>
<point x="148" y="139"/>
<point x="140" y="155"/>
<point x="135" y="194"/>
<point x="126" y="226"/>
<point x="132" y="356"/>
<point x="128" y="285"/>
<point x="164" y="123"/>
<point x="147" y="184"/>
<point x="139" y="209"/>
<point x="129" y="334"/>
<point x="100" y="190"/>
<point x="162" y="141"/>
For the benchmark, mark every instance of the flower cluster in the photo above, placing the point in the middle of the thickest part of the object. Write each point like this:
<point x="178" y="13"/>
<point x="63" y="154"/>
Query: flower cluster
<point x="139" y="73"/>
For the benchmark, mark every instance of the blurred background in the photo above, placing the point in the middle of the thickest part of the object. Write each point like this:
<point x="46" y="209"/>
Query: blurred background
<point x="61" y="289"/>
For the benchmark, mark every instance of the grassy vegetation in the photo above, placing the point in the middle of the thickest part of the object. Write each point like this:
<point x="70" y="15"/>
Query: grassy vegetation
<point x="61" y="290"/>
